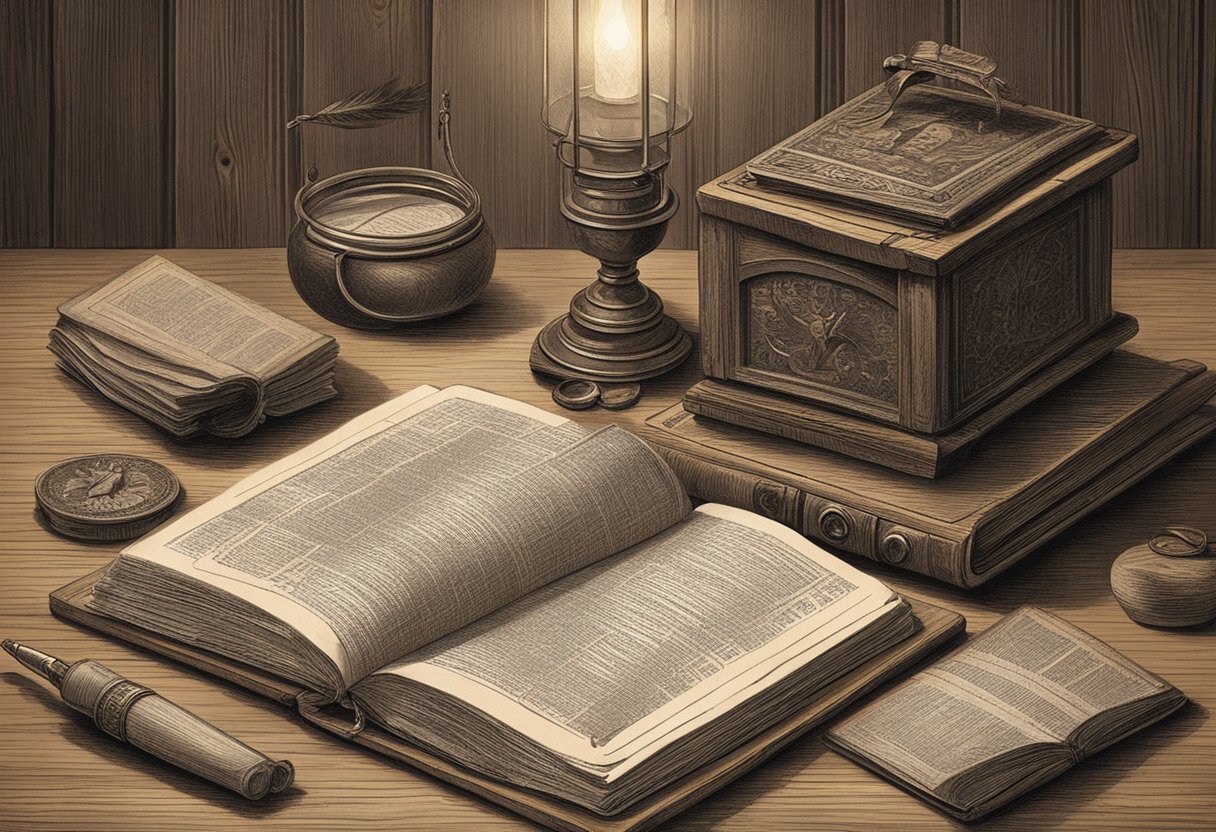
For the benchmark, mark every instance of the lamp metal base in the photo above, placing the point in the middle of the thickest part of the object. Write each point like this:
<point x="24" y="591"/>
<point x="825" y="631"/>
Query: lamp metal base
<point x="561" y="350"/>
<point x="616" y="329"/>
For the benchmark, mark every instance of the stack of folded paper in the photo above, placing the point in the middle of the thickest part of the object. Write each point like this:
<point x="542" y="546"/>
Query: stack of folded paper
<point x="190" y="356"/>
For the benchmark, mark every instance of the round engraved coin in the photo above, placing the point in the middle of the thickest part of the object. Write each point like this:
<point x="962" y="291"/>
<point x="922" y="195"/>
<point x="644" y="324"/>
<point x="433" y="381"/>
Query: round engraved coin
<point x="1179" y="542"/>
<point x="576" y="393"/>
<point x="620" y="396"/>
<point x="106" y="496"/>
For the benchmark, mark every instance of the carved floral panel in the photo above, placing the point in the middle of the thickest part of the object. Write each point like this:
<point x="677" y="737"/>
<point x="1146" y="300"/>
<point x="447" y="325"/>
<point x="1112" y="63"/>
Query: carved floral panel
<point x="1017" y="301"/>
<point x="817" y="330"/>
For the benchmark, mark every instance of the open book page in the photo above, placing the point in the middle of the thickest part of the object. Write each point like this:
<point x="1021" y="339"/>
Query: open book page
<point x="608" y="665"/>
<point x="418" y="517"/>
<point x="1030" y="678"/>
<point x="188" y="320"/>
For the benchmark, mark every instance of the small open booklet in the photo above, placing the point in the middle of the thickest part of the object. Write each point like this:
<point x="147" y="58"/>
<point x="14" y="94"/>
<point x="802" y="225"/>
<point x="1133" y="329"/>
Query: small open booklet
<point x="519" y="594"/>
<point x="1013" y="708"/>
<point x="190" y="356"/>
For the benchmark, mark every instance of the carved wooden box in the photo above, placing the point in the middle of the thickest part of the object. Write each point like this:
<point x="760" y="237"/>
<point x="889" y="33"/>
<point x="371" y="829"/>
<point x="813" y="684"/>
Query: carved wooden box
<point x="880" y="310"/>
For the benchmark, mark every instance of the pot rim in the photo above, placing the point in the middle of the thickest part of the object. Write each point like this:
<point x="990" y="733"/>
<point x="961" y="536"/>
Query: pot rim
<point x="418" y="180"/>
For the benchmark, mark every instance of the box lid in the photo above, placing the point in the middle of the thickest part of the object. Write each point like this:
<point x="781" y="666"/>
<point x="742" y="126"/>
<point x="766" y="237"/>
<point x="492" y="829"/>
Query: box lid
<point x="925" y="154"/>
<point x="863" y="234"/>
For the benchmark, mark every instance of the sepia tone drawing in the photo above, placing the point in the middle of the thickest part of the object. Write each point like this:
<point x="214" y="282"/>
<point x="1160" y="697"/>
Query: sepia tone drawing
<point x="189" y="356"/>
<point x="595" y="648"/>
<point x="133" y="713"/>
<point x="1029" y="698"/>
<point x="106" y="496"/>
<point x="1170" y="581"/>
<point x="927" y="159"/>
<point x="810" y="335"/>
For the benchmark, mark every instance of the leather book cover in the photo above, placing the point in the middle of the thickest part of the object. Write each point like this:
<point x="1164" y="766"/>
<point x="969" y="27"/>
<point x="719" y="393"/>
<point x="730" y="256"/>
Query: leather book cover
<point x="1031" y="478"/>
<point x="936" y="156"/>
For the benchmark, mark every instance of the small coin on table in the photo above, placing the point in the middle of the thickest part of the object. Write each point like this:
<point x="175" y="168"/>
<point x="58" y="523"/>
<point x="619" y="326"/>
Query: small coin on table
<point x="108" y="496"/>
<point x="620" y="396"/>
<point x="576" y="393"/>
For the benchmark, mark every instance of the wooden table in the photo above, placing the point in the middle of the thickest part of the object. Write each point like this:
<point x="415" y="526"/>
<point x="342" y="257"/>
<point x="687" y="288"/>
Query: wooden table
<point x="58" y="772"/>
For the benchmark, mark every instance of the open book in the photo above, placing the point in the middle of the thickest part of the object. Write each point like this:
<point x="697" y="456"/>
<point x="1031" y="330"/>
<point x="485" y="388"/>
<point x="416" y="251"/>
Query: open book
<point x="521" y="595"/>
<point x="190" y="356"/>
<point x="1018" y="705"/>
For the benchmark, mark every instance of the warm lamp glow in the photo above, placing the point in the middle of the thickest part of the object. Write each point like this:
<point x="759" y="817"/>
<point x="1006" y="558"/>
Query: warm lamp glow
<point x="610" y="99"/>
<point x="616" y="54"/>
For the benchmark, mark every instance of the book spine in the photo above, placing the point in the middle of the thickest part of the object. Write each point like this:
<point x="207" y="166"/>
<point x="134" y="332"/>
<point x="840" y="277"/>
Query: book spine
<point x="830" y="522"/>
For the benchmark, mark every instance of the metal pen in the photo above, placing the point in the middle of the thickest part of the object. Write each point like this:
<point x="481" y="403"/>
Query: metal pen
<point x="137" y="715"/>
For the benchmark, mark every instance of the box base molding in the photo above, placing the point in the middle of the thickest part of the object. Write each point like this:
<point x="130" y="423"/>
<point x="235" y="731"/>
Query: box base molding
<point x="919" y="454"/>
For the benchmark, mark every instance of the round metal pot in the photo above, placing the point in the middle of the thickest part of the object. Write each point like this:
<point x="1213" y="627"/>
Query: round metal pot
<point x="378" y="247"/>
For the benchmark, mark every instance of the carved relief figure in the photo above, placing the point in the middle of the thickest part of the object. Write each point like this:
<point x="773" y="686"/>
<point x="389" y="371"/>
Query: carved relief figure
<point x="109" y="487"/>
<point x="824" y="332"/>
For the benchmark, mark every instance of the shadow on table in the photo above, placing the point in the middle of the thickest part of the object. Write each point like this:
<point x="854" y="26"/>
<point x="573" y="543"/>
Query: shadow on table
<point x="1073" y="569"/>
<point x="1051" y="804"/>
<point x="358" y="391"/>
<point x="1047" y="807"/>
<point x="79" y="730"/>
<point x="501" y="310"/>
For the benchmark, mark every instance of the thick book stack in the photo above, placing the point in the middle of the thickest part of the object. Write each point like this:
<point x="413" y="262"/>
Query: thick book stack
<point x="1028" y="480"/>
<point x="189" y="356"/>
<point x="524" y="606"/>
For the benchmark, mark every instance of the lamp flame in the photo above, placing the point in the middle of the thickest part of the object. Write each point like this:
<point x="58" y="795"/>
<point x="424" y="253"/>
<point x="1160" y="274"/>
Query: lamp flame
<point x="616" y="58"/>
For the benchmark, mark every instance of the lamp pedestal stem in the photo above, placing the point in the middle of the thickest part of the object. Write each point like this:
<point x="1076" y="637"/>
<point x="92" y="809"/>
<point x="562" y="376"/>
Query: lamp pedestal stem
<point x="616" y="329"/>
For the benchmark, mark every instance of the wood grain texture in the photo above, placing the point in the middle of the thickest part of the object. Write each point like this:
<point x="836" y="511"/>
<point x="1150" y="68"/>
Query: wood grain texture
<point x="922" y="455"/>
<point x="759" y="103"/>
<point x="25" y="87"/>
<point x="1206" y="92"/>
<point x="874" y="29"/>
<point x="827" y="227"/>
<point x="743" y="105"/>
<point x="489" y="55"/>
<point x="1020" y="488"/>
<point x="112" y="185"/>
<point x="758" y="71"/>
<point x="234" y="96"/>
<point x="1140" y="72"/>
<point x="390" y="38"/>
<point x="695" y="47"/>
<point x="1034" y="43"/>
<point x="57" y="773"/>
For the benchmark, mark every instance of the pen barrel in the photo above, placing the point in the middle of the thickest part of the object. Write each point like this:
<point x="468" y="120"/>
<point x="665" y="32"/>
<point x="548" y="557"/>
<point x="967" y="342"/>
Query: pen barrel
<point x="137" y="715"/>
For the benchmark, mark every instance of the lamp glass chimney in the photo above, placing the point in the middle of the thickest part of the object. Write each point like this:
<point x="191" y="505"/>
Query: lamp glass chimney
<point x="610" y="69"/>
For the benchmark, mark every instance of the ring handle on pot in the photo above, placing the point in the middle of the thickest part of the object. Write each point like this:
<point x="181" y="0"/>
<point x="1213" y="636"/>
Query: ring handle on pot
<point x="445" y="135"/>
<point x="339" y="259"/>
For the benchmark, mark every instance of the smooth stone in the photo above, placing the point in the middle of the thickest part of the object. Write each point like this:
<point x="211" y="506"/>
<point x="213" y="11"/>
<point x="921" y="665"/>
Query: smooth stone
<point x="1164" y="591"/>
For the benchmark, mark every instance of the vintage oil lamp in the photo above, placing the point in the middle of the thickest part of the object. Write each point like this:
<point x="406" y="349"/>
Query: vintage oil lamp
<point x="612" y="102"/>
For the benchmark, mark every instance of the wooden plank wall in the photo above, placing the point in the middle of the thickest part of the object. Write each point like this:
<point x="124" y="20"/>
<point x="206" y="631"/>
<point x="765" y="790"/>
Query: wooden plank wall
<point x="25" y="140"/>
<point x="162" y="122"/>
<point x="234" y="92"/>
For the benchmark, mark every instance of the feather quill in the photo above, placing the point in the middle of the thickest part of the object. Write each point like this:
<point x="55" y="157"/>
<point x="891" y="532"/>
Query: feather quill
<point x="367" y="108"/>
